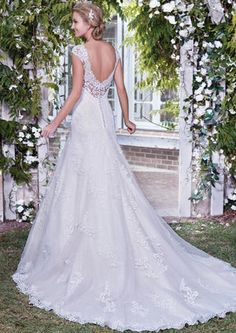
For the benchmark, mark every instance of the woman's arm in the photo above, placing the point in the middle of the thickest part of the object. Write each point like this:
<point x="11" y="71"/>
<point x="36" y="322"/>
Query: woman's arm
<point x="123" y="98"/>
<point x="77" y="81"/>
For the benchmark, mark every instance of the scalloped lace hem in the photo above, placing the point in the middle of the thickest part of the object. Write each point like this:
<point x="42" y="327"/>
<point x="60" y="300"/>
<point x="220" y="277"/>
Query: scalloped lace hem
<point x="35" y="300"/>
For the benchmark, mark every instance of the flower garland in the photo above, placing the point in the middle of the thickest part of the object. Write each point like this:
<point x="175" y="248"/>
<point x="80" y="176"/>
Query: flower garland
<point x="212" y="87"/>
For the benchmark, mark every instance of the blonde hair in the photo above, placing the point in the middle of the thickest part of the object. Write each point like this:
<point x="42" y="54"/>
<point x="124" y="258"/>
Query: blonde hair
<point x="91" y="14"/>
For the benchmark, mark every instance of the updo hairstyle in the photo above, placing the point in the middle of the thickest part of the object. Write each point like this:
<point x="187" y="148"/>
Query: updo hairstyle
<point x="91" y="14"/>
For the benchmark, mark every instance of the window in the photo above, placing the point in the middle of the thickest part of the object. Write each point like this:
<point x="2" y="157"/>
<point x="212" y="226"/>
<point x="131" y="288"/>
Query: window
<point x="143" y="103"/>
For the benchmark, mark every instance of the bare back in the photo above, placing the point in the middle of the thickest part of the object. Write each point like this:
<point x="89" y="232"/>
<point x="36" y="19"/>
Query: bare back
<point x="102" y="58"/>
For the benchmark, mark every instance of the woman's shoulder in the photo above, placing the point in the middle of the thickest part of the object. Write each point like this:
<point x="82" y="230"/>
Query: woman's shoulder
<point x="78" y="50"/>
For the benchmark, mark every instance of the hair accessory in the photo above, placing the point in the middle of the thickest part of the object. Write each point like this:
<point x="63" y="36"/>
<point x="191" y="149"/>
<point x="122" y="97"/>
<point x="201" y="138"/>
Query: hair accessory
<point x="91" y="14"/>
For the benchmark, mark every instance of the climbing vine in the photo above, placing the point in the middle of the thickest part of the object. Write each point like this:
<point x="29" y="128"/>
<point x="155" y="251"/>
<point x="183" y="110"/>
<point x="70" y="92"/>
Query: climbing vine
<point x="33" y="35"/>
<point x="210" y="109"/>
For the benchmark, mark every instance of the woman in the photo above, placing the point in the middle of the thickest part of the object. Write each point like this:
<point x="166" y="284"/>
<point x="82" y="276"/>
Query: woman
<point x="97" y="251"/>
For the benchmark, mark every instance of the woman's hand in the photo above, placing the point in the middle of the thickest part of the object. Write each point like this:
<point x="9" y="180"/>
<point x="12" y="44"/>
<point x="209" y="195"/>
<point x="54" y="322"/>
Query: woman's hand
<point x="131" y="127"/>
<point x="48" y="130"/>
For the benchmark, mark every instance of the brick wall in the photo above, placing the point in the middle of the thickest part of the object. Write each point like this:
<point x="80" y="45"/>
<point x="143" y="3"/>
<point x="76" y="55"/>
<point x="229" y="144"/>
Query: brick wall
<point x="144" y="156"/>
<point x="153" y="157"/>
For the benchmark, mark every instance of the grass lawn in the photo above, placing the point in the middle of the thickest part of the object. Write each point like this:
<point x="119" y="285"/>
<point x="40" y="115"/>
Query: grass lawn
<point x="17" y="316"/>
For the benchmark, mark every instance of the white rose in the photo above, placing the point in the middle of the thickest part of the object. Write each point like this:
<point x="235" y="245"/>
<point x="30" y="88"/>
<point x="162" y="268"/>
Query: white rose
<point x="20" y="209"/>
<point x="183" y="33"/>
<point x="198" y="78"/>
<point x="171" y="19"/>
<point x="154" y="4"/>
<point x="36" y="134"/>
<point x="168" y="7"/>
<point x="218" y="44"/>
<point x="211" y="45"/>
<point x="232" y="196"/>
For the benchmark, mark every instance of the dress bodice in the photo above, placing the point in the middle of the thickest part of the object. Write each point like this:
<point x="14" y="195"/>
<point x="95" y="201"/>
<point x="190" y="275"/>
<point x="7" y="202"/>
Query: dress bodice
<point x="94" y="86"/>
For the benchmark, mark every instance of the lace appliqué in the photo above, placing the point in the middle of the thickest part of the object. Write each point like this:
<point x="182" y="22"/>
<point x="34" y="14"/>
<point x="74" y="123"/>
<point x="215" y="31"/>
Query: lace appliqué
<point x="166" y="303"/>
<point x="85" y="227"/>
<point x="106" y="299"/>
<point x="138" y="309"/>
<point x="95" y="87"/>
<point x="146" y="266"/>
<point x="189" y="294"/>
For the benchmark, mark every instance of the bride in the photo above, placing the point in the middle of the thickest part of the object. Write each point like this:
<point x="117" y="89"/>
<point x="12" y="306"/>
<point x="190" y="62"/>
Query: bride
<point x="97" y="251"/>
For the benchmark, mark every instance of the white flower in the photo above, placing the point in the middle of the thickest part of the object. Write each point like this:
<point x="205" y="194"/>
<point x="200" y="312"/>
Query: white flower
<point x="21" y="135"/>
<point x="199" y="98"/>
<point x="36" y="134"/>
<point x="24" y="218"/>
<point x="24" y="127"/>
<point x="183" y="33"/>
<point x="196" y="121"/>
<point x="26" y="213"/>
<point x="20" y="209"/>
<point x="231" y="111"/>
<point x="200" y="24"/>
<point x="30" y="144"/>
<point x="13" y="86"/>
<point x="190" y="7"/>
<point x="28" y="136"/>
<point x="198" y="78"/>
<point x="232" y="197"/>
<point x="211" y="45"/>
<point x="203" y="71"/>
<point x="171" y="19"/>
<point x="154" y="4"/>
<point x="168" y="7"/>
<point x="218" y="44"/>
<point x="233" y="207"/>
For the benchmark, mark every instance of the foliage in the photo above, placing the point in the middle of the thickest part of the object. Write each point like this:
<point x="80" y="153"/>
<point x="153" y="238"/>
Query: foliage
<point x="25" y="145"/>
<point x="152" y="35"/>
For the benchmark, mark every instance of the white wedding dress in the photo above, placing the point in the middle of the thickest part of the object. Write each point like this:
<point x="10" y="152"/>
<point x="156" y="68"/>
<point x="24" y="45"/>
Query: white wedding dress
<point x="98" y="252"/>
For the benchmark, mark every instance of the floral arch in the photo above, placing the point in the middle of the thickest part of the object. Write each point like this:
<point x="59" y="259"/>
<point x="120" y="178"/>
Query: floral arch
<point x="192" y="42"/>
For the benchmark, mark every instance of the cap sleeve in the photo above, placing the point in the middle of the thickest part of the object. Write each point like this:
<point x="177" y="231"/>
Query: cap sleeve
<point x="78" y="50"/>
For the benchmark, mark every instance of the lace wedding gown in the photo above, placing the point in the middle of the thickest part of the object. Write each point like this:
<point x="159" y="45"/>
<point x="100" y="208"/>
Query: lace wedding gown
<point x="98" y="252"/>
